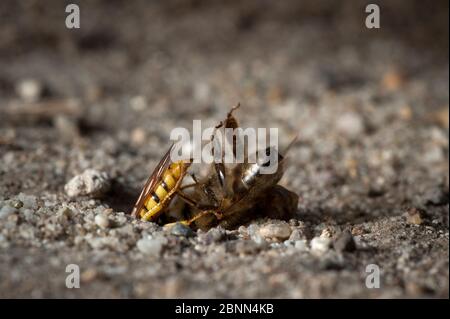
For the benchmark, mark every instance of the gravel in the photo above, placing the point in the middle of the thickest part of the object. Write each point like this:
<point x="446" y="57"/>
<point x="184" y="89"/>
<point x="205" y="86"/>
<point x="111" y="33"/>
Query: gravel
<point x="301" y="245"/>
<point x="5" y="211"/>
<point x="102" y="221"/>
<point x="345" y="242"/>
<point x="149" y="246"/>
<point x="278" y="231"/>
<point x="320" y="245"/>
<point x="180" y="229"/>
<point x="30" y="90"/>
<point x="370" y="108"/>
<point x="350" y="124"/>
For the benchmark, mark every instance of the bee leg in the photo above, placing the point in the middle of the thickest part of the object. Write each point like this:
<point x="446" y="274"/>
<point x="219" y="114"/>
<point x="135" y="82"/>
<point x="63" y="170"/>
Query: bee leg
<point x="203" y="214"/>
<point x="193" y="203"/>
<point x="187" y="186"/>
<point x="195" y="183"/>
<point x="194" y="177"/>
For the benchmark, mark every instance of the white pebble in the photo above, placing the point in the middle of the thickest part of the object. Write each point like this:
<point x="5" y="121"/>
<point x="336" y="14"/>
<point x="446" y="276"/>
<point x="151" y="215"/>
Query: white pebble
<point x="138" y="103"/>
<point x="102" y="221"/>
<point x="301" y="245"/>
<point x="320" y="244"/>
<point x="350" y="124"/>
<point x="90" y="183"/>
<point x="258" y="239"/>
<point x="276" y="231"/>
<point x="150" y="246"/>
<point x="30" y="90"/>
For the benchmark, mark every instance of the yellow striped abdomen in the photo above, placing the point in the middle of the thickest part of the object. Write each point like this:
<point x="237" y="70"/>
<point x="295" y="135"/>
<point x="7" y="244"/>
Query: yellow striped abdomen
<point x="159" y="197"/>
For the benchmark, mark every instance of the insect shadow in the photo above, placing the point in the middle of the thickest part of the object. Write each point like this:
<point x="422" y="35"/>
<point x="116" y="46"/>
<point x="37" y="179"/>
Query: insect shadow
<point x="120" y="197"/>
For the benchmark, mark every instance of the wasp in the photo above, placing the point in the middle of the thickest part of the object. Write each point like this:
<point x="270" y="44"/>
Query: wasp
<point x="231" y="196"/>
<point x="160" y="188"/>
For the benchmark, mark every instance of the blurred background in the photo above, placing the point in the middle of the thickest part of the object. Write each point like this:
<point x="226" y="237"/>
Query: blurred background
<point x="134" y="71"/>
<point x="371" y="107"/>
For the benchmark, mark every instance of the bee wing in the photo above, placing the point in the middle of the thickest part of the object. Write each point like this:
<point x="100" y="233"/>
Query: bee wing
<point x="151" y="182"/>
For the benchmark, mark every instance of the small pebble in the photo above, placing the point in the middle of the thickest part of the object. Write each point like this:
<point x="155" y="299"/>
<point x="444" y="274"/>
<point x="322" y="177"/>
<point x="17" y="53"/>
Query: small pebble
<point x="102" y="221"/>
<point x="29" y="90"/>
<point x="179" y="229"/>
<point x="5" y="211"/>
<point x="350" y="124"/>
<point x="213" y="235"/>
<point x="301" y="245"/>
<point x="90" y="183"/>
<point x="138" y="103"/>
<point x="279" y="231"/>
<point x="258" y="239"/>
<point x="414" y="219"/>
<point x="320" y="245"/>
<point x="149" y="246"/>
<point x="296" y="235"/>
<point x="138" y="136"/>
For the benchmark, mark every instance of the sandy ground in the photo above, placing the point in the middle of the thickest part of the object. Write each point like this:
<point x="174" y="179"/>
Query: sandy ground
<point x="371" y="167"/>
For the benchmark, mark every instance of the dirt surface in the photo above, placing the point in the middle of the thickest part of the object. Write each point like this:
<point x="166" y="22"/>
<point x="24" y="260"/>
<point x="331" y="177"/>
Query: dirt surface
<point x="371" y="108"/>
